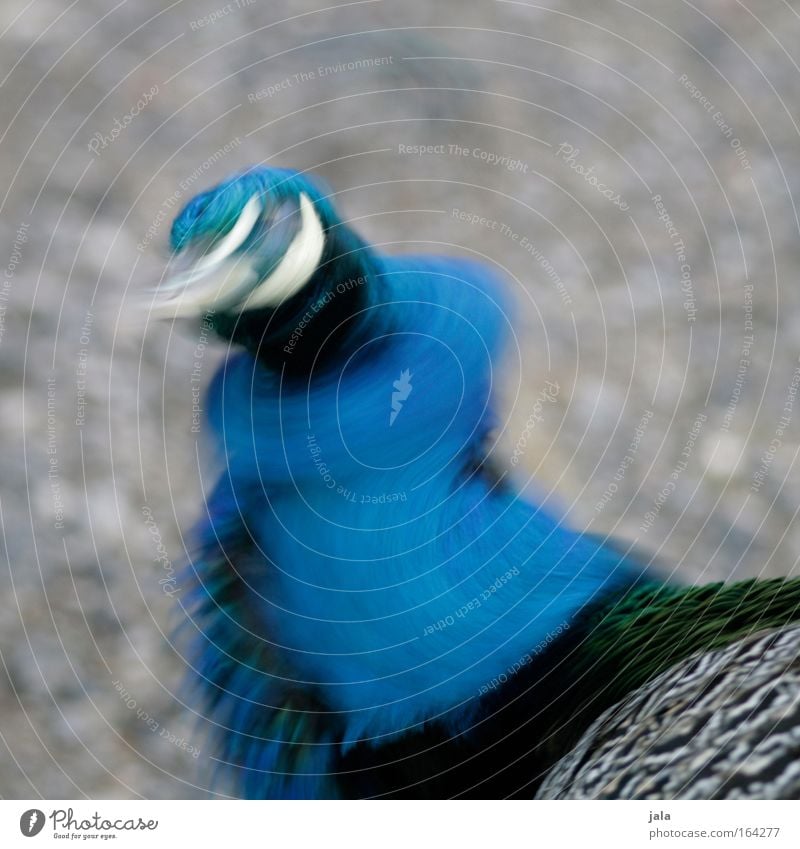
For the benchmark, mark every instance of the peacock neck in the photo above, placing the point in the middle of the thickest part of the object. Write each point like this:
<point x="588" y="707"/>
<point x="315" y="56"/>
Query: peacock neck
<point x="325" y="321"/>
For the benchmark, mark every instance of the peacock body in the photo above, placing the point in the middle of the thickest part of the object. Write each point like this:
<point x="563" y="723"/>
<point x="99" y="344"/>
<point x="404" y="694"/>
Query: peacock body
<point x="376" y="611"/>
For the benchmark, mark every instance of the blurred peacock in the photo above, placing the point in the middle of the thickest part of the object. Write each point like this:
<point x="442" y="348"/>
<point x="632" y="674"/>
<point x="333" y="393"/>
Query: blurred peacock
<point x="376" y="612"/>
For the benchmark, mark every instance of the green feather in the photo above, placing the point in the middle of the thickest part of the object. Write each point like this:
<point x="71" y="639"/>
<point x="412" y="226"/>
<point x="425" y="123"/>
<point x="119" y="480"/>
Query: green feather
<point x="618" y="647"/>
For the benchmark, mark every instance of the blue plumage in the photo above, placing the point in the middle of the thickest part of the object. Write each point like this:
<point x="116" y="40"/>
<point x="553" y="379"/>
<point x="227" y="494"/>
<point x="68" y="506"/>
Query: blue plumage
<point x="366" y="585"/>
<point x="360" y="574"/>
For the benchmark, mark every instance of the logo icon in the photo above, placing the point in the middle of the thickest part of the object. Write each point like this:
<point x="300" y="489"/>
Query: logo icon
<point x="31" y="822"/>
<point x="403" y="389"/>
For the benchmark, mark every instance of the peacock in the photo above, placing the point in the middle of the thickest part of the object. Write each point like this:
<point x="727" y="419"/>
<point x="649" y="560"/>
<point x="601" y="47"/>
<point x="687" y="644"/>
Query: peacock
<point x="375" y="610"/>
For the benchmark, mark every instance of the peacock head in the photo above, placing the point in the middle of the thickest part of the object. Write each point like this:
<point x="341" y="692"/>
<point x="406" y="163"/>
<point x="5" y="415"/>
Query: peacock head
<point x="250" y="254"/>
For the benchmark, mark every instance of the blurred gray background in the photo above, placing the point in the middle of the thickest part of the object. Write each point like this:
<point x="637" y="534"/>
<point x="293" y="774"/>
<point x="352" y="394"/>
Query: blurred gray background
<point x="671" y="326"/>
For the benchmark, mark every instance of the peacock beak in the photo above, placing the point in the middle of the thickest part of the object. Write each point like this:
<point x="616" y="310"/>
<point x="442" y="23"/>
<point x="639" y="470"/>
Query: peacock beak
<point x="218" y="279"/>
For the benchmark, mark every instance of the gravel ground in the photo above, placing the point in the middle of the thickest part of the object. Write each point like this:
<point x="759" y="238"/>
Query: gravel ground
<point x="634" y="165"/>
